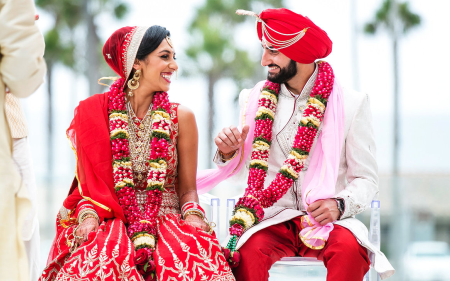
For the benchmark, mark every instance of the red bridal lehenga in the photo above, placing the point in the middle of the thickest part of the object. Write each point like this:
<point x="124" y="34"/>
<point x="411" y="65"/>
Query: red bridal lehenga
<point x="183" y="252"/>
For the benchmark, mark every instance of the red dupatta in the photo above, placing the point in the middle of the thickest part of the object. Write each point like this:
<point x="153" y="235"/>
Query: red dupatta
<point x="89" y="137"/>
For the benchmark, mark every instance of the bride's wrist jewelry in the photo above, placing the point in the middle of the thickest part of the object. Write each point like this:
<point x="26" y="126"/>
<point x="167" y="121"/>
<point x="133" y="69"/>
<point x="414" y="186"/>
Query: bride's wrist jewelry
<point x="194" y="212"/>
<point x="192" y="208"/>
<point x="87" y="213"/>
<point x="189" y="205"/>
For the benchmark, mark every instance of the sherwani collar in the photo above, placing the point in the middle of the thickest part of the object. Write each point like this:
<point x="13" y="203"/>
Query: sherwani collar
<point x="284" y="92"/>
<point x="285" y="136"/>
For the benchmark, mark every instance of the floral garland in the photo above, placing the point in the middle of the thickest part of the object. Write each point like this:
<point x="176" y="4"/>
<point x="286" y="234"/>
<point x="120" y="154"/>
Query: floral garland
<point x="142" y="226"/>
<point x="249" y="209"/>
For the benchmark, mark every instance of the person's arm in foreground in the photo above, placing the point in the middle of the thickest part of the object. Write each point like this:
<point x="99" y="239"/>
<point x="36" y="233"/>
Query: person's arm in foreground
<point x="22" y="66"/>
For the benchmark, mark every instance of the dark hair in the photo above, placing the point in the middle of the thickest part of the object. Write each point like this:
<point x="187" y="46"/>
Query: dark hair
<point x="151" y="40"/>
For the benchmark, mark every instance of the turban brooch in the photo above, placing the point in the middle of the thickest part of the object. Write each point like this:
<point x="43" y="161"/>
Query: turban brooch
<point x="292" y="34"/>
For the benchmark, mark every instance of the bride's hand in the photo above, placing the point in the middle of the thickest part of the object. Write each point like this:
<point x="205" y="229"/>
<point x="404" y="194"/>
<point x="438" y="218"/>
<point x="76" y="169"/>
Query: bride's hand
<point x="196" y="221"/>
<point x="83" y="230"/>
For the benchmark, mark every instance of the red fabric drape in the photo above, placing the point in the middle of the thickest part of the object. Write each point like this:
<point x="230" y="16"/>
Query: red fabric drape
<point x="89" y="136"/>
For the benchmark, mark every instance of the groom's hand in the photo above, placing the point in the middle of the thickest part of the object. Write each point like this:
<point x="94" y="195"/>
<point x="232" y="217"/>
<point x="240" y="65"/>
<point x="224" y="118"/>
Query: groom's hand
<point x="230" y="139"/>
<point x="324" y="211"/>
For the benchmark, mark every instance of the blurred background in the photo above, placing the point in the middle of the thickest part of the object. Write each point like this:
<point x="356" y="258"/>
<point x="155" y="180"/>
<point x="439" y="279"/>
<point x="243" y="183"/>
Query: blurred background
<point x="396" y="51"/>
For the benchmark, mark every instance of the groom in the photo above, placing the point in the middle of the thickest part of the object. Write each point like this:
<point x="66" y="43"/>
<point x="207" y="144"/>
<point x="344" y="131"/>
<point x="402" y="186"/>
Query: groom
<point x="292" y="44"/>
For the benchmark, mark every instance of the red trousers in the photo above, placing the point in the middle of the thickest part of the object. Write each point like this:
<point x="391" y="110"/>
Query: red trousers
<point x="343" y="257"/>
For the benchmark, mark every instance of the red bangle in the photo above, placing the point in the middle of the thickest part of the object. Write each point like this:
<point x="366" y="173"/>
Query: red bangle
<point x="191" y="206"/>
<point x="83" y="205"/>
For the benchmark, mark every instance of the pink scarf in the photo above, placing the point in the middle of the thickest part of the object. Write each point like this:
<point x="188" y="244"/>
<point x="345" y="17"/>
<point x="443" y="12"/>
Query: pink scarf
<point x="321" y="176"/>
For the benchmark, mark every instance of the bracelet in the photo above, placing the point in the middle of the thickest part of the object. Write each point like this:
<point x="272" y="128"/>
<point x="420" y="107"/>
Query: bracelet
<point x="192" y="206"/>
<point x="88" y="213"/>
<point x="194" y="212"/>
<point x="197" y="211"/>
<point x="226" y="154"/>
<point x="88" y="217"/>
<point x="189" y="204"/>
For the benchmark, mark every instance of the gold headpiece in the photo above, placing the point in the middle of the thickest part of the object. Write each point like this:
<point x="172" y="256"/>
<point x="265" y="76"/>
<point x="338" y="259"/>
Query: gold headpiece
<point x="169" y="41"/>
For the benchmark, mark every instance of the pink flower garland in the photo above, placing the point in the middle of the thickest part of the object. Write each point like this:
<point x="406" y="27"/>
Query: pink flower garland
<point x="141" y="225"/>
<point x="249" y="209"/>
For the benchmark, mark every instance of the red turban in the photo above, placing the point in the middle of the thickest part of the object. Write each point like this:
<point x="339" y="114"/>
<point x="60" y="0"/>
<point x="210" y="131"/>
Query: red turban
<point x="121" y="48"/>
<point x="294" y="35"/>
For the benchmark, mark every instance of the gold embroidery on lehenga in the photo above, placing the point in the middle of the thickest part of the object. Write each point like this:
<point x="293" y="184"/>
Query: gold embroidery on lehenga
<point x="88" y="262"/>
<point x="197" y="271"/>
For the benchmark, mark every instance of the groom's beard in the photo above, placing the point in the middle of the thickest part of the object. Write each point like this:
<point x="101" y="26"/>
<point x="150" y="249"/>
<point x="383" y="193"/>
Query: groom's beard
<point x="285" y="74"/>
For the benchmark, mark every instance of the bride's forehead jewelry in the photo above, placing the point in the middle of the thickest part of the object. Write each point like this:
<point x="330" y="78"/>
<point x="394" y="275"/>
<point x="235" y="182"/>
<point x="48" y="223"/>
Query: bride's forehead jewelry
<point x="169" y="41"/>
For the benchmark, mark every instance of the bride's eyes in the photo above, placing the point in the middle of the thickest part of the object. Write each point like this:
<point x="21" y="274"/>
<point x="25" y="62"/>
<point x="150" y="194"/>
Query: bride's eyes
<point x="167" y="56"/>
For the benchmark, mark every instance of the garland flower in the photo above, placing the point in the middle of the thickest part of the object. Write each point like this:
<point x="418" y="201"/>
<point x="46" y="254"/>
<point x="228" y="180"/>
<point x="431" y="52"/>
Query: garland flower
<point x="249" y="209"/>
<point x="142" y="226"/>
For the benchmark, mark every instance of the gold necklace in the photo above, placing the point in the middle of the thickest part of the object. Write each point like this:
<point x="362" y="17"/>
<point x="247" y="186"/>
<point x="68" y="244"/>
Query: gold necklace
<point x="139" y="144"/>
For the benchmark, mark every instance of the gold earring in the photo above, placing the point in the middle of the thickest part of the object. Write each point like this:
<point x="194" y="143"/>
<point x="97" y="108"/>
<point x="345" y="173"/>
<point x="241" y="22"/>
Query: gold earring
<point x="133" y="83"/>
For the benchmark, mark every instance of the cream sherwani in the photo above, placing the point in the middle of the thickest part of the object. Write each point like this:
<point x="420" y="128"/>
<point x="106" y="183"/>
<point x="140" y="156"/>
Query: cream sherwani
<point x="22" y="69"/>
<point x="22" y="159"/>
<point x="357" y="182"/>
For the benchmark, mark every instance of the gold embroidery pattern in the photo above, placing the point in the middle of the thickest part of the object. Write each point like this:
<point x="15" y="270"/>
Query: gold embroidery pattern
<point x="188" y="269"/>
<point x="107" y="264"/>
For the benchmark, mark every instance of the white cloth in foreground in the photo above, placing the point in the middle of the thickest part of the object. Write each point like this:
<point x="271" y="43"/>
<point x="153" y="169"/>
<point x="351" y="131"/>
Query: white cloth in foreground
<point x="30" y="230"/>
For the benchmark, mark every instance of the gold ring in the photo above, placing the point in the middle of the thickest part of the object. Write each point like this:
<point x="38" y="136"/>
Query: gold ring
<point x="78" y="237"/>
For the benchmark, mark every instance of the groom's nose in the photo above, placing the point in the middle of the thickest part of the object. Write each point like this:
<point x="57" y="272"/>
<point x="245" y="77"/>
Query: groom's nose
<point x="266" y="58"/>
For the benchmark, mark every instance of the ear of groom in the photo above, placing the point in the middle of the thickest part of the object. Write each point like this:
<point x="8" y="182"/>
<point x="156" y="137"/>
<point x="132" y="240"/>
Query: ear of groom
<point x="274" y="59"/>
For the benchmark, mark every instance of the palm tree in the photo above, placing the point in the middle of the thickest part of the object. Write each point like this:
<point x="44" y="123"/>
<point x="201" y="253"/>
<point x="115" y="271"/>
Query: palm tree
<point x="214" y="53"/>
<point x="59" y="49"/>
<point x="91" y="10"/>
<point x="61" y="44"/>
<point x="397" y="19"/>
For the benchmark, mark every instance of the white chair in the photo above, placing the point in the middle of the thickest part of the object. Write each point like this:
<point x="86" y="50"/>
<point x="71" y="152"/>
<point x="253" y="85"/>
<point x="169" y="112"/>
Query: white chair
<point x="311" y="269"/>
<point x="213" y="203"/>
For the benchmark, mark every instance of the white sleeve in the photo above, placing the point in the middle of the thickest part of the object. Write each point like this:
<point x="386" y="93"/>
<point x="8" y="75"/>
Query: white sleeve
<point x="22" y="65"/>
<point x="362" y="166"/>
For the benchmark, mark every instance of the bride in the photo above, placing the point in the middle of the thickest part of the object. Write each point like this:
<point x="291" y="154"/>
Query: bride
<point x="132" y="212"/>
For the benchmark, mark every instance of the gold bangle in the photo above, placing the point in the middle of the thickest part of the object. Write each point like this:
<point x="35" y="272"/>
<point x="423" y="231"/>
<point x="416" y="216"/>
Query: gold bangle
<point x="193" y="212"/>
<point x="88" y="217"/>
<point x="88" y="214"/>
